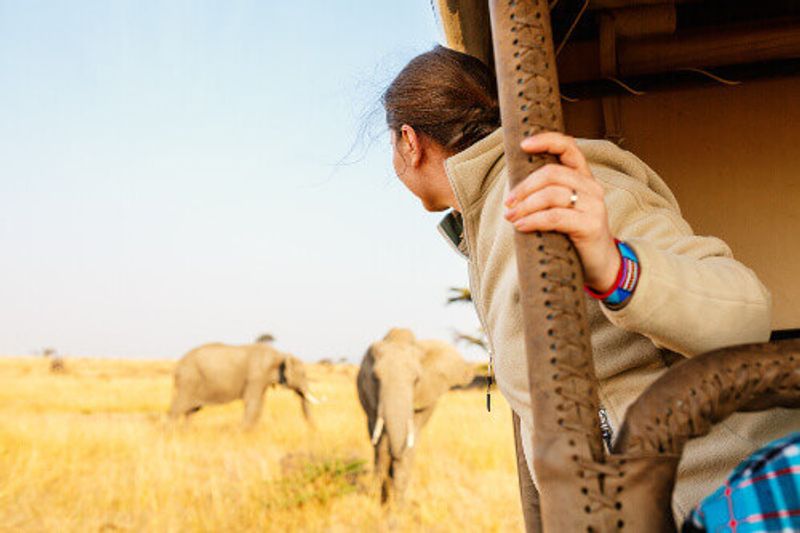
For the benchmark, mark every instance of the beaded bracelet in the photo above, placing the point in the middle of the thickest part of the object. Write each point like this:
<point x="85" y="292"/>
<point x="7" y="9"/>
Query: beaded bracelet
<point x="627" y="277"/>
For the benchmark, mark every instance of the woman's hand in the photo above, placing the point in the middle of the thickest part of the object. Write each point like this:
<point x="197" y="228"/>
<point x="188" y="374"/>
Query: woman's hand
<point x="544" y="202"/>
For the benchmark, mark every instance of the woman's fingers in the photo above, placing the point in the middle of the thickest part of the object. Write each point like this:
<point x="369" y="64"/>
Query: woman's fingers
<point x="560" y="145"/>
<point x="566" y="198"/>
<point x="547" y="198"/>
<point x="560" y="219"/>
<point x="554" y="175"/>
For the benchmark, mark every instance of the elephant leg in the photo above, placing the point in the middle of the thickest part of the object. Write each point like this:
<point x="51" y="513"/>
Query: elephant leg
<point x="253" y="402"/>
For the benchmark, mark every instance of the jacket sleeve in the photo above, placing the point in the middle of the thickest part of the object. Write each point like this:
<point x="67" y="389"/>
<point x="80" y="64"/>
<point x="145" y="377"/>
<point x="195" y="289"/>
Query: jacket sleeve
<point x="692" y="296"/>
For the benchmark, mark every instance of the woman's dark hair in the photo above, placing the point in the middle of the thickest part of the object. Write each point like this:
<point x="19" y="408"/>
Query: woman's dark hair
<point x="449" y="96"/>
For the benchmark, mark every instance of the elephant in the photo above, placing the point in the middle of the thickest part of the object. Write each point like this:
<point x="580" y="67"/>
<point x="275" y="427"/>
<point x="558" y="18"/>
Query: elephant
<point x="220" y="373"/>
<point x="399" y="382"/>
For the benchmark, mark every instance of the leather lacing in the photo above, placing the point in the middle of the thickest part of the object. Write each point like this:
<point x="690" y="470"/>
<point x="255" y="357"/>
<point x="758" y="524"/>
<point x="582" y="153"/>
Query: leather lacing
<point x="532" y="63"/>
<point x="568" y="346"/>
<point x="574" y="377"/>
<point x="598" y="471"/>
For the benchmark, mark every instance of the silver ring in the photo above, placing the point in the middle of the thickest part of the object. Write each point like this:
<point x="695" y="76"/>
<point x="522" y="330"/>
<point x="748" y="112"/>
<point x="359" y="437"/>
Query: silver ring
<point x="573" y="199"/>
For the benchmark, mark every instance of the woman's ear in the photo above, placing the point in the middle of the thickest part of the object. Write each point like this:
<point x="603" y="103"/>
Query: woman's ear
<point x="410" y="146"/>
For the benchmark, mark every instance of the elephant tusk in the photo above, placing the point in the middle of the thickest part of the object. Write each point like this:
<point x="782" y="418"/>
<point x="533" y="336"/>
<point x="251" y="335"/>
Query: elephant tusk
<point x="410" y="437"/>
<point x="311" y="398"/>
<point x="376" y="434"/>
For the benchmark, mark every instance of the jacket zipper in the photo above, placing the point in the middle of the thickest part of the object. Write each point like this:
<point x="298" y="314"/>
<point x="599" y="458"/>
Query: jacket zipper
<point x="490" y="345"/>
<point x="471" y="267"/>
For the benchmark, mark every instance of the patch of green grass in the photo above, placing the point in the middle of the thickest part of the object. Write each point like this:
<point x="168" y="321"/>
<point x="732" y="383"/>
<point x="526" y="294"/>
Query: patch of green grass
<point x="316" y="480"/>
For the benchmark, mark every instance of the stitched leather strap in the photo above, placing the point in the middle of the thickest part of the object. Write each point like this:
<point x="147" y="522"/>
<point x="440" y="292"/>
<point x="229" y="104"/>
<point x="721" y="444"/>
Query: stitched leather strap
<point x="699" y="392"/>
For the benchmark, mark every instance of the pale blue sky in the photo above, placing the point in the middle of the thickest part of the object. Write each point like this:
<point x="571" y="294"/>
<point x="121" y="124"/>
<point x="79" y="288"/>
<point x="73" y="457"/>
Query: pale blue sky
<point x="170" y="174"/>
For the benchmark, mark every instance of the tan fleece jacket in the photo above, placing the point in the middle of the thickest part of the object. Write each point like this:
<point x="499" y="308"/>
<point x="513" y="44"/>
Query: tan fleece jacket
<point x="692" y="297"/>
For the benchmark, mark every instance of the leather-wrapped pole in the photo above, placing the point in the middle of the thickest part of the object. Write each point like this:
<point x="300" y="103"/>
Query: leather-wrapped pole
<point x="568" y="449"/>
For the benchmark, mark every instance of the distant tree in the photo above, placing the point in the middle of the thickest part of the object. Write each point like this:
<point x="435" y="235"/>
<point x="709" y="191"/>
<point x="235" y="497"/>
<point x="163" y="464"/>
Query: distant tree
<point x="57" y="365"/>
<point x="463" y="294"/>
<point x="459" y="294"/>
<point x="266" y="338"/>
<point x="475" y="340"/>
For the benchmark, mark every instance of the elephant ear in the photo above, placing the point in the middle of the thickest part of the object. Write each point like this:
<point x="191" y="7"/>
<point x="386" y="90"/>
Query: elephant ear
<point x="267" y="361"/>
<point x="282" y="370"/>
<point x="290" y="369"/>
<point x="442" y="368"/>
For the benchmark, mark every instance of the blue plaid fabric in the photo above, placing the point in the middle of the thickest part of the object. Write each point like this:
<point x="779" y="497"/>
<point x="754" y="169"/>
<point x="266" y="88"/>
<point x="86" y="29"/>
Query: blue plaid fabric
<point x="762" y="494"/>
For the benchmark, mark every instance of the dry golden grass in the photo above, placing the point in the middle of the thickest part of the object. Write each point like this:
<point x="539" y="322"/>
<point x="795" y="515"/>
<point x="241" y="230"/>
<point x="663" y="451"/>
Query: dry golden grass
<point x="90" y="450"/>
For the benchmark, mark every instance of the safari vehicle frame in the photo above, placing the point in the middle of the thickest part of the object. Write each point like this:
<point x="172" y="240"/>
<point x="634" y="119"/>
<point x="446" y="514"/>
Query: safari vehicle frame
<point x="681" y="83"/>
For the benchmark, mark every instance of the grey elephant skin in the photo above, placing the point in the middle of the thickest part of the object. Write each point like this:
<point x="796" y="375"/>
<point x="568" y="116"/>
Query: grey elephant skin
<point x="399" y="382"/>
<point x="221" y="373"/>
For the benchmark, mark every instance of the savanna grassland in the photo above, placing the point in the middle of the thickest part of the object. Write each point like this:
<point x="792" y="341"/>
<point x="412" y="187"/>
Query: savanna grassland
<point x="91" y="450"/>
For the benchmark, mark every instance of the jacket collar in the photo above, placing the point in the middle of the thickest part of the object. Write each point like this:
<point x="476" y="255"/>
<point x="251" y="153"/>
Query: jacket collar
<point x="471" y="172"/>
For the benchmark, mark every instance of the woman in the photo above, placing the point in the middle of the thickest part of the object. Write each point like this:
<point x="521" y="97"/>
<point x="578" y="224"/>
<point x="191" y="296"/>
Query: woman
<point x="656" y="294"/>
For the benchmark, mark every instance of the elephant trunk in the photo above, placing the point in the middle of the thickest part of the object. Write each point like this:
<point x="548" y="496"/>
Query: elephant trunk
<point x="397" y="406"/>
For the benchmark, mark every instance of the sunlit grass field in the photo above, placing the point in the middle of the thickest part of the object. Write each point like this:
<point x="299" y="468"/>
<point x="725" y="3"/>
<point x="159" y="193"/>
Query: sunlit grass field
<point x="91" y="450"/>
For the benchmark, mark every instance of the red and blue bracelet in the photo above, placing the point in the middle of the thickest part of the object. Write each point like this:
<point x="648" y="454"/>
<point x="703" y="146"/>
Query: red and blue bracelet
<point x="627" y="277"/>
